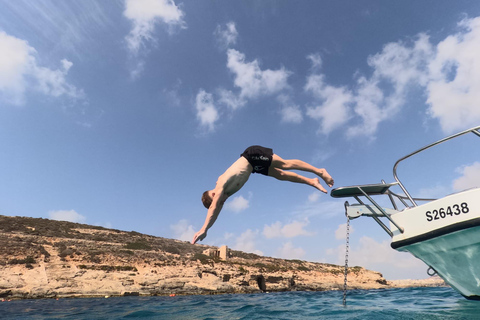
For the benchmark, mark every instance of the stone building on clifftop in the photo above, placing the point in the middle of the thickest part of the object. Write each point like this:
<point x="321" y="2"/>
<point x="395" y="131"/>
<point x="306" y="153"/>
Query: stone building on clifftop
<point x="223" y="253"/>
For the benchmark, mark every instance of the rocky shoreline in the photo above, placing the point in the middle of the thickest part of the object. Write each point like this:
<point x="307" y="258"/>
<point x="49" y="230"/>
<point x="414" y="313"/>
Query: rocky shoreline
<point x="43" y="258"/>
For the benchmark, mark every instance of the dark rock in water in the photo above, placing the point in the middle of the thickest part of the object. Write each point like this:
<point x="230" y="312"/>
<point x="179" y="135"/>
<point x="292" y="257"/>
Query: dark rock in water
<point x="261" y="283"/>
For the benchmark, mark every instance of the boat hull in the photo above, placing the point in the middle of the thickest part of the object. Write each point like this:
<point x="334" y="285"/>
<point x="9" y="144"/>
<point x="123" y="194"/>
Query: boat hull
<point x="455" y="257"/>
<point x="445" y="234"/>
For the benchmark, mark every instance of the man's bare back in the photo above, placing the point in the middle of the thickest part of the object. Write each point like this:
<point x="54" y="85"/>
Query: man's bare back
<point x="234" y="177"/>
<point x="260" y="160"/>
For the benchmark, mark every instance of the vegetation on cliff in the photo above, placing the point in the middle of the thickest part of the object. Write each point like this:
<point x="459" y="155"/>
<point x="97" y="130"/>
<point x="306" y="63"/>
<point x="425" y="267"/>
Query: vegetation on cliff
<point x="47" y="258"/>
<point x="23" y="241"/>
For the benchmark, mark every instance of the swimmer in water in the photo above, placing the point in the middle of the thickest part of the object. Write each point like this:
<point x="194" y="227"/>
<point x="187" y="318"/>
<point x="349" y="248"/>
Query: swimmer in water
<point x="255" y="159"/>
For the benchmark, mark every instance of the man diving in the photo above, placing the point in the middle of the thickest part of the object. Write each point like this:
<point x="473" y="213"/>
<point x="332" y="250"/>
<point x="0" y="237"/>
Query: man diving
<point x="255" y="159"/>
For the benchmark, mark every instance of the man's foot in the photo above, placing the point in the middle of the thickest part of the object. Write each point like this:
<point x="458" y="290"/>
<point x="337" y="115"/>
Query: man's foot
<point x="326" y="177"/>
<point x="316" y="184"/>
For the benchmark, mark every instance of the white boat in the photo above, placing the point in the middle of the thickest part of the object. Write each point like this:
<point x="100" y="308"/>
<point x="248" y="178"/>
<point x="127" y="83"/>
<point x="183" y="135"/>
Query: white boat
<point x="444" y="233"/>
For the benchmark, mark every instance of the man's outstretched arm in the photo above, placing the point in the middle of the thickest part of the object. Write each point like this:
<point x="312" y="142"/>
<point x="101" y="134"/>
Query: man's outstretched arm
<point x="212" y="215"/>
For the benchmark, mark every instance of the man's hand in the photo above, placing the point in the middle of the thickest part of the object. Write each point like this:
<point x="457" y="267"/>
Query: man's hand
<point x="199" y="236"/>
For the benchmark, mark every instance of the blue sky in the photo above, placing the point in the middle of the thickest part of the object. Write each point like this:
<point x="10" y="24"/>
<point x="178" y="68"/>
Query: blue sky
<point x="121" y="113"/>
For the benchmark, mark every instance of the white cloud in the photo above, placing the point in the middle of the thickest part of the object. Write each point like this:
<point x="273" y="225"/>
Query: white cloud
<point x="433" y="192"/>
<point x="374" y="99"/>
<point x="226" y="36"/>
<point x="53" y="82"/>
<point x="66" y="64"/>
<point x="321" y="155"/>
<point x="253" y="81"/>
<point x="16" y="58"/>
<point x="314" y="196"/>
<point x="230" y="99"/>
<point x="448" y="72"/>
<point x="288" y="251"/>
<point x="367" y="105"/>
<point x="290" y="112"/>
<point x="324" y="209"/>
<point x="379" y="256"/>
<point x="144" y="14"/>
<point x="237" y="204"/>
<point x="137" y="69"/>
<point x="332" y="108"/>
<point x="398" y="66"/>
<point x="401" y="64"/>
<point x="67" y="215"/>
<point x="206" y="111"/>
<point x="470" y="177"/>
<point x="291" y="230"/>
<point x="228" y="235"/>
<point x="316" y="60"/>
<point x="381" y="96"/>
<point x="67" y="27"/>
<point x="172" y="95"/>
<point x="19" y="73"/>
<point x="294" y="229"/>
<point x="247" y="242"/>
<point x="183" y="230"/>
<point x="341" y="232"/>
<point x="454" y="87"/>
<point x="273" y="231"/>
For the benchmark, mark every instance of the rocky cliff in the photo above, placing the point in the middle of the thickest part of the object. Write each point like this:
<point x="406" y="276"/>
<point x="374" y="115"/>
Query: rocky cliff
<point x="42" y="258"/>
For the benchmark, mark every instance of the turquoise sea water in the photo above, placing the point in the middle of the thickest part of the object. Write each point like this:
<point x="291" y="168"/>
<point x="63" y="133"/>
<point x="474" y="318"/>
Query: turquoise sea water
<point x="410" y="303"/>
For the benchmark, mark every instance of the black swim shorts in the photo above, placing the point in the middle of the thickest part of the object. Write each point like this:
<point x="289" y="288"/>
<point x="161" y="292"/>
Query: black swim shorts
<point x="259" y="157"/>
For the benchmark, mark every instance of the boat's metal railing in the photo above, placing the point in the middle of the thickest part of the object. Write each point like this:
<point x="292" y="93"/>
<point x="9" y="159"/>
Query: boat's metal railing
<point x="402" y="199"/>
<point x="375" y="210"/>
<point x="474" y="130"/>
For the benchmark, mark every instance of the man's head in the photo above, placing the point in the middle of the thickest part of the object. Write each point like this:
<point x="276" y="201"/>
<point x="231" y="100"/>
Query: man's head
<point x="207" y="199"/>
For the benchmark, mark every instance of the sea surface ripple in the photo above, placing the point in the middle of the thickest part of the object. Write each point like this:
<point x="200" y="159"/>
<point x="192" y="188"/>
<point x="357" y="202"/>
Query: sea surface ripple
<point x="409" y="303"/>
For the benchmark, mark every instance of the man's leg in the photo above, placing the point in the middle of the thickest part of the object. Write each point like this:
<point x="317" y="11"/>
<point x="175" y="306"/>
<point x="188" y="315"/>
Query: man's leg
<point x="294" y="177"/>
<point x="278" y="162"/>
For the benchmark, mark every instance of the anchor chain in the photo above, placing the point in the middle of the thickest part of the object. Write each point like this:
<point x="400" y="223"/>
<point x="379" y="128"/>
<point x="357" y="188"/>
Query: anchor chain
<point x="346" y="262"/>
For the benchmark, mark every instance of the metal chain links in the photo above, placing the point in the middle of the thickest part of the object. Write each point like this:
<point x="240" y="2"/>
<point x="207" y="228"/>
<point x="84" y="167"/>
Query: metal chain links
<point x="346" y="262"/>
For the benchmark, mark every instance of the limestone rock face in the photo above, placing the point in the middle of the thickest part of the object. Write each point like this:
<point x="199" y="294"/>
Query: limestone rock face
<point x="42" y="258"/>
